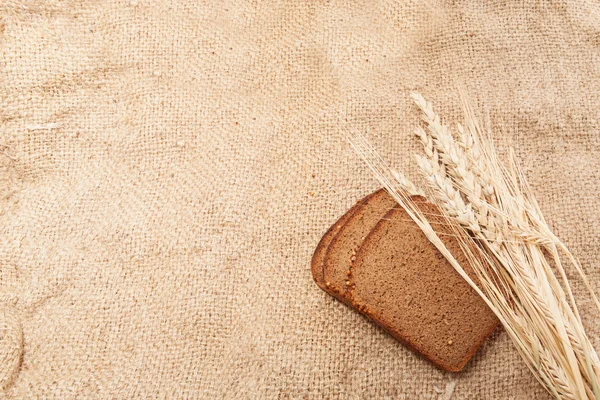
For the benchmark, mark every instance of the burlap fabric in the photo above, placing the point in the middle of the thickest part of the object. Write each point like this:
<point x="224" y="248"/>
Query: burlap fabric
<point x="167" y="169"/>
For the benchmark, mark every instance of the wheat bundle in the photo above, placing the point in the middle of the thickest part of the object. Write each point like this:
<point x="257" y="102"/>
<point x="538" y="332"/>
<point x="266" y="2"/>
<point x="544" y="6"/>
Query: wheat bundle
<point x="519" y="263"/>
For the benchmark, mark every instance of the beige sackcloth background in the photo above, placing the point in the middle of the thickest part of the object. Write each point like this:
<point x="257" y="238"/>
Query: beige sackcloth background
<point x="168" y="167"/>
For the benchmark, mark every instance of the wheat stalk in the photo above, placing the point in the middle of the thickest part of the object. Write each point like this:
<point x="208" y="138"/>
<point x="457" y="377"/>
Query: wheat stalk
<point x="518" y="262"/>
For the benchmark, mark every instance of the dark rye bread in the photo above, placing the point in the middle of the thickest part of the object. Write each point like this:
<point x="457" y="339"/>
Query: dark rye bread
<point x="316" y="265"/>
<point x="404" y="284"/>
<point x="345" y="242"/>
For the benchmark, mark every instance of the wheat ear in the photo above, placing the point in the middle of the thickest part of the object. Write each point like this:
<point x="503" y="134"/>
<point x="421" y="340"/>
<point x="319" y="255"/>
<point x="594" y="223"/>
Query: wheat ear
<point x="570" y="366"/>
<point x="502" y="231"/>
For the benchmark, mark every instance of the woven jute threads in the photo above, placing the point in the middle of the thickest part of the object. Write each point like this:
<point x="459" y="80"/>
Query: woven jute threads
<point x="11" y="339"/>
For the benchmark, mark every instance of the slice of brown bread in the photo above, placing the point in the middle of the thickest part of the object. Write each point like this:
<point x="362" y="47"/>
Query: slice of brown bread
<point x="345" y="242"/>
<point x="316" y="264"/>
<point x="404" y="284"/>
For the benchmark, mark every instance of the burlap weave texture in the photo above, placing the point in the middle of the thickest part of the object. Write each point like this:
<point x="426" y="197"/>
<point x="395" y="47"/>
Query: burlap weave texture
<point x="167" y="168"/>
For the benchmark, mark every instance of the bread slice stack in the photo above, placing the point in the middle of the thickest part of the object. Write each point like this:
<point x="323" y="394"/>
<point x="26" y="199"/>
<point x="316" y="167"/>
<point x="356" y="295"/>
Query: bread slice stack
<point x="376" y="260"/>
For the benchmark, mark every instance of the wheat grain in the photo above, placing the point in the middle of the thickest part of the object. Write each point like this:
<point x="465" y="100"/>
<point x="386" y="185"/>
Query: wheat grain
<point x="458" y="165"/>
<point x="406" y="184"/>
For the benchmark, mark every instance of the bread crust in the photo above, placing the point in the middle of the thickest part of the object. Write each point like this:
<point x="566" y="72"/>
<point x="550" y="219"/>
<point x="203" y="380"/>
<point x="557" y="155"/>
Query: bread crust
<point x="318" y="258"/>
<point x="349" y="237"/>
